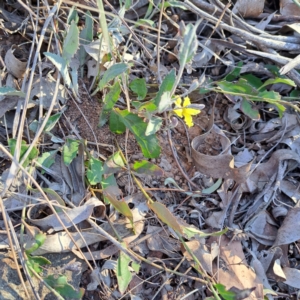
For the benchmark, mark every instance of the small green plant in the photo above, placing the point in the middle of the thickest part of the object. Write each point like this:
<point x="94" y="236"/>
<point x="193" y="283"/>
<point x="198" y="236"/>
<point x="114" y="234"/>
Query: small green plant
<point x="252" y="89"/>
<point x="56" y="283"/>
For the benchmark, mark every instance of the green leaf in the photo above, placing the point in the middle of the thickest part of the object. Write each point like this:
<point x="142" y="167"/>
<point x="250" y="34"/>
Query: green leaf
<point x="120" y="205"/>
<point x="149" y="144"/>
<point x="70" y="150"/>
<point x="189" y="44"/>
<point x="154" y="125"/>
<point x="191" y="232"/>
<point x="148" y="106"/>
<point x="139" y="87"/>
<point x="278" y="80"/>
<point x="95" y="171"/>
<point x="61" y="64"/>
<point x="142" y="22"/>
<point x="110" y="100"/>
<point x="51" y="122"/>
<point x="135" y="266"/>
<point x="8" y="91"/>
<point x="275" y="70"/>
<point x="253" y="80"/>
<point x="235" y="72"/>
<point x="226" y="295"/>
<point x="113" y="164"/>
<point x="242" y="87"/>
<point x="115" y="123"/>
<point x="175" y="4"/>
<point x="147" y="168"/>
<point x="212" y="188"/>
<point x="269" y="95"/>
<point x="166" y="86"/>
<point x="47" y="159"/>
<point x="33" y="153"/>
<point x="86" y="36"/>
<point x="35" y="262"/>
<point x="71" y="42"/>
<point x="248" y="109"/>
<point x="165" y="102"/>
<point x="273" y="98"/>
<point x="40" y="239"/>
<point x="165" y="216"/>
<point x="206" y="86"/>
<point x="60" y="284"/>
<point x="124" y="276"/>
<point x="295" y="94"/>
<point x="110" y="74"/>
<point x="73" y="16"/>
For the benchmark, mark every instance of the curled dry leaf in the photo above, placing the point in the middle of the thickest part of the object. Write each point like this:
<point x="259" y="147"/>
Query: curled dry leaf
<point x="61" y="242"/>
<point x="69" y="217"/>
<point x="262" y="228"/>
<point x="13" y="64"/>
<point x="289" y="231"/>
<point x="289" y="8"/>
<point x="292" y="277"/>
<point x="217" y="166"/>
<point x="264" y="171"/>
<point x="249" y="8"/>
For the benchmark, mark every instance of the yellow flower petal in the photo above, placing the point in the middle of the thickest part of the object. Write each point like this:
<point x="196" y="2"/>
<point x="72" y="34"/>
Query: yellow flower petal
<point x="186" y="101"/>
<point x="178" y="102"/>
<point x="192" y="111"/>
<point x="178" y="112"/>
<point x="188" y="120"/>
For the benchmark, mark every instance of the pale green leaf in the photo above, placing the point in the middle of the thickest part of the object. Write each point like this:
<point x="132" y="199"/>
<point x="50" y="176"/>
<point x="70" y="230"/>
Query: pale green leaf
<point x="147" y="168"/>
<point x="165" y="102"/>
<point x="115" y="123"/>
<point x="154" y="125"/>
<point x="95" y="171"/>
<point x="166" y="86"/>
<point x="149" y="144"/>
<point x="70" y="150"/>
<point x="47" y="159"/>
<point x="165" y="216"/>
<point x="71" y="42"/>
<point x="189" y="44"/>
<point x="110" y="100"/>
<point x="8" y="91"/>
<point x="124" y="276"/>
<point x="61" y="285"/>
<point x="61" y="64"/>
<point x="120" y="205"/>
<point x="110" y="74"/>
<point x="139" y="87"/>
<point x="278" y="80"/>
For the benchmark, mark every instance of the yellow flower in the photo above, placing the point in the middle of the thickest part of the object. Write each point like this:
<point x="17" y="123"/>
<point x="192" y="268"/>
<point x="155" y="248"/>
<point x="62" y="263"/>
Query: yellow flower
<point x="184" y="112"/>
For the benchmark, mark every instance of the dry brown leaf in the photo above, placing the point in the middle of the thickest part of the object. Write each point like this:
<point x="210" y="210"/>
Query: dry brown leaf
<point x="221" y="165"/>
<point x="162" y="243"/>
<point x="234" y="272"/>
<point x="69" y="217"/>
<point x="289" y="231"/>
<point x="262" y="228"/>
<point x="202" y="254"/>
<point x="289" y="8"/>
<point x="249" y="8"/>
<point x="292" y="277"/>
<point x="264" y="171"/>
<point x="14" y="65"/>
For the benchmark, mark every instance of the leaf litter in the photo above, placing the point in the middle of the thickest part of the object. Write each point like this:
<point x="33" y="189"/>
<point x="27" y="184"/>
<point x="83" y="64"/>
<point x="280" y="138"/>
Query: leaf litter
<point x="158" y="203"/>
